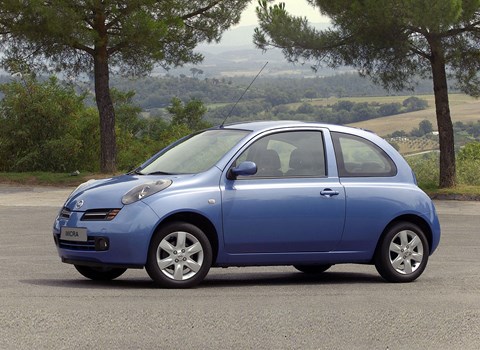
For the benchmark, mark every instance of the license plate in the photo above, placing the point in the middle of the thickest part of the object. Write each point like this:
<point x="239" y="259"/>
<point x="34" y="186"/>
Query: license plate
<point x="73" y="234"/>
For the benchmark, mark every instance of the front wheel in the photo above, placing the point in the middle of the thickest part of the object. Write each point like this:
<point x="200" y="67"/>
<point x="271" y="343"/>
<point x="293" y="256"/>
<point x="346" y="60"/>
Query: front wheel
<point x="402" y="253"/>
<point x="100" y="273"/>
<point x="180" y="256"/>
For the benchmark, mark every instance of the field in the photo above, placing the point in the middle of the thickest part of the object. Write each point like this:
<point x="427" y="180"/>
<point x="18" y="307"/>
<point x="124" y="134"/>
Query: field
<point x="463" y="108"/>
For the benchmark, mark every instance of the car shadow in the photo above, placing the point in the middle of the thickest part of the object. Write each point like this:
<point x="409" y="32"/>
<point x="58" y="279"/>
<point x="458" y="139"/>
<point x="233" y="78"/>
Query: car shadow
<point x="83" y="283"/>
<point x="222" y="280"/>
<point x="289" y="278"/>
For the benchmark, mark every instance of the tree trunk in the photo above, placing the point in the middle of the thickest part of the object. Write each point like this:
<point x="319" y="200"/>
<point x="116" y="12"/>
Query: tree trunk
<point x="444" y="120"/>
<point x="108" y="145"/>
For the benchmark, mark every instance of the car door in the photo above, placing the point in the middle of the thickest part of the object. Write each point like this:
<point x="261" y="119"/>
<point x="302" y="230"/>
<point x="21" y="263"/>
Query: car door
<point x="291" y="204"/>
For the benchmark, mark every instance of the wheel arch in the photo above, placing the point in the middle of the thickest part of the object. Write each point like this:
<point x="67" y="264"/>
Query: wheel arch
<point x="414" y="219"/>
<point x="202" y="222"/>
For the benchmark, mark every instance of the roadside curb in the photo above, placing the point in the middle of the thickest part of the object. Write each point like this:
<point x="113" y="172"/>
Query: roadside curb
<point x="27" y="196"/>
<point x="456" y="197"/>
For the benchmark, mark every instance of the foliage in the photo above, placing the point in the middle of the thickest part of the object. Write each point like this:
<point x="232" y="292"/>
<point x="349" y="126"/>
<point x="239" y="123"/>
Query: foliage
<point x="128" y="116"/>
<point x="391" y="41"/>
<point x="424" y="127"/>
<point x="388" y="40"/>
<point x="89" y="136"/>
<point x="426" y="167"/>
<point x="471" y="129"/>
<point x="128" y="36"/>
<point x="140" y="138"/>
<point x="132" y="147"/>
<point x="413" y="103"/>
<point x="468" y="171"/>
<point x="469" y="164"/>
<point x="189" y="114"/>
<point x="46" y="126"/>
<point x="346" y="112"/>
<point x="471" y="152"/>
<point x="390" y="109"/>
<point x="153" y="93"/>
<point x="40" y="126"/>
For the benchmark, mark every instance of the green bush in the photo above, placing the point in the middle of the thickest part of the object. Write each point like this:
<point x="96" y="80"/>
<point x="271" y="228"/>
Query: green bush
<point x="426" y="169"/>
<point x="468" y="172"/>
<point x="468" y="164"/>
<point x="471" y="152"/>
<point x="39" y="125"/>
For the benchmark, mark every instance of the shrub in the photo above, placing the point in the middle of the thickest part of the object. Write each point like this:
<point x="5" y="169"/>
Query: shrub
<point x="426" y="169"/>
<point x="39" y="126"/>
<point x="471" y="151"/>
<point x="468" y="164"/>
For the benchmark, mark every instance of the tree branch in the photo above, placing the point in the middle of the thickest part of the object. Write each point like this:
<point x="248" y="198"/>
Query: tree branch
<point x="200" y="10"/>
<point x="472" y="27"/>
<point x="126" y="11"/>
<point x="78" y="46"/>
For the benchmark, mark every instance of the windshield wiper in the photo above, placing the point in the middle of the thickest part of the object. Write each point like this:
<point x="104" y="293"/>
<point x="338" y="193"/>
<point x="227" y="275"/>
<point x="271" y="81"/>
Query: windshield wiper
<point x="136" y="171"/>
<point x="159" y="173"/>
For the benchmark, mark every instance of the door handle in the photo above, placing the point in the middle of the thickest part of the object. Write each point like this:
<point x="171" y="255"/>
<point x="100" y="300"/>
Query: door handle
<point x="329" y="193"/>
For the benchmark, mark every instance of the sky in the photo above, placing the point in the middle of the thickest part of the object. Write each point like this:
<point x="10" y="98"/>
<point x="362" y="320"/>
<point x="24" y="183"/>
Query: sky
<point x="295" y="7"/>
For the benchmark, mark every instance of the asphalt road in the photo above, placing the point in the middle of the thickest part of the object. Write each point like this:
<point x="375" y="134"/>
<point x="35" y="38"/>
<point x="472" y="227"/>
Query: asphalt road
<point x="45" y="304"/>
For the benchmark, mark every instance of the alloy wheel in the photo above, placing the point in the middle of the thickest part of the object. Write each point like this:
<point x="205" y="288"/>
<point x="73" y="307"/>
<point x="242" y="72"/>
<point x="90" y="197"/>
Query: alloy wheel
<point x="180" y="256"/>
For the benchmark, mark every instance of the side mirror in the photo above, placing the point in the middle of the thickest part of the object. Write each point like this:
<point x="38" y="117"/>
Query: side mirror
<point x="243" y="169"/>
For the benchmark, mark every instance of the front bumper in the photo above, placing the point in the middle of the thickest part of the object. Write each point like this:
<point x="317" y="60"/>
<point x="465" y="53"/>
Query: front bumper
<point x="121" y="242"/>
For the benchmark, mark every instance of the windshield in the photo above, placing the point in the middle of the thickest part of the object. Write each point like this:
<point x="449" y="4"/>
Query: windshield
<point x="196" y="154"/>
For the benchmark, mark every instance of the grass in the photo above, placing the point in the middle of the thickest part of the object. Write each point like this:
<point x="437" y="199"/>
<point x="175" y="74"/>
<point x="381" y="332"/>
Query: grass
<point x="463" y="109"/>
<point x="461" y="191"/>
<point x="426" y="168"/>
<point x="38" y="178"/>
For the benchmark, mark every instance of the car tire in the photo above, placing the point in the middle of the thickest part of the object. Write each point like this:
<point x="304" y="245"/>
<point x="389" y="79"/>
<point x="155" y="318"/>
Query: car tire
<point x="100" y="273"/>
<point x="312" y="269"/>
<point x="402" y="253"/>
<point x="180" y="256"/>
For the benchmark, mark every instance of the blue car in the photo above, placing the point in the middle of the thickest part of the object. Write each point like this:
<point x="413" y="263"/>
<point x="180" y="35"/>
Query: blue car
<point x="253" y="194"/>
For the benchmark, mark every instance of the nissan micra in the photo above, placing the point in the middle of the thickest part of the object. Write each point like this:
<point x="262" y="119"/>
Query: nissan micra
<point x="264" y="193"/>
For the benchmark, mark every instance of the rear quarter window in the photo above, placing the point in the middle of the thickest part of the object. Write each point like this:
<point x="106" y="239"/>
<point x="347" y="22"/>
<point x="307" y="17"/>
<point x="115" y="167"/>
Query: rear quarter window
<point x="359" y="157"/>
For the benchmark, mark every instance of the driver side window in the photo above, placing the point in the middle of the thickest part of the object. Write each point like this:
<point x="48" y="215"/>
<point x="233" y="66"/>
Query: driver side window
<point x="287" y="154"/>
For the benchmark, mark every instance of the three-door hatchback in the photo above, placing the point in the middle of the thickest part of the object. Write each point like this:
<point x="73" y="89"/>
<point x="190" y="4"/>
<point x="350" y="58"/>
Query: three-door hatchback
<point x="264" y="193"/>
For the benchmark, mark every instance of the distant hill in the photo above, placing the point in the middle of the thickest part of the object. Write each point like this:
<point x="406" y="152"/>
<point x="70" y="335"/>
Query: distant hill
<point x="464" y="109"/>
<point x="236" y="55"/>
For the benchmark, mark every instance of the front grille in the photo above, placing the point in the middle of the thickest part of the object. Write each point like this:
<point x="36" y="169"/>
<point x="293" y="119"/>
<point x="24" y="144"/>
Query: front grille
<point x="89" y="245"/>
<point x="100" y="214"/>
<point x="92" y="244"/>
<point x="65" y="213"/>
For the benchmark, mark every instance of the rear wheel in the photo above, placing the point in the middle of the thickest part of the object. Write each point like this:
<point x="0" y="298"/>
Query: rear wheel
<point x="402" y="254"/>
<point x="100" y="273"/>
<point x="180" y="256"/>
<point x="312" y="269"/>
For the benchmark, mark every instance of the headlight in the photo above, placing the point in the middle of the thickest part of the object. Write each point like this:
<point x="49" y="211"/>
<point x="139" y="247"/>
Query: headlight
<point x="142" y="191"/>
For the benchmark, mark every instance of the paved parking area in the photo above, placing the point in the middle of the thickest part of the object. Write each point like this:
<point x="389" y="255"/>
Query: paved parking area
<point x="45" y="304"/>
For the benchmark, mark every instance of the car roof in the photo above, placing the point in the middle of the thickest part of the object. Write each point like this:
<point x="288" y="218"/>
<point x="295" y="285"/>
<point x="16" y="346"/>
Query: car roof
<point x="258" y="126"/>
